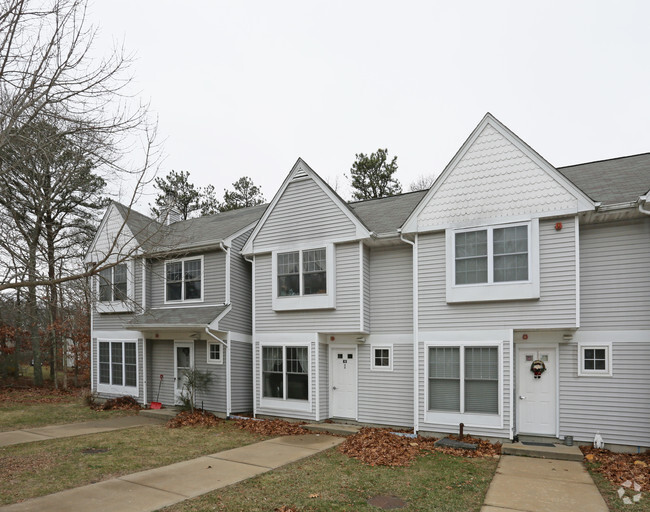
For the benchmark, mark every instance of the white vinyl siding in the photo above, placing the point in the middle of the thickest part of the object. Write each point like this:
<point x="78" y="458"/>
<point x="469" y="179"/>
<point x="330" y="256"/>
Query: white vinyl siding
<point x="556" y="306"/>
<point x="241" y="375"/>
<point x="239" y="319"/>
<point x="615" y="275"/>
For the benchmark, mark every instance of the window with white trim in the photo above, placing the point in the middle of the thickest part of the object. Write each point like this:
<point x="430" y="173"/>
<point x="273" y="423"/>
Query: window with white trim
<point x="215" y="351"/>
<point x="302" y="272"/>
<point x="285" y="372"/>
<point x="381" y="358"/>
<point x="595" y="360"/>
<point x="184" y="280"/>
<point x="463" y="379"/>
<point x="113" y="284"/>
<point x="118" y="365"/>
<point x="493" y="263"/>
<point x="303" y="278"/>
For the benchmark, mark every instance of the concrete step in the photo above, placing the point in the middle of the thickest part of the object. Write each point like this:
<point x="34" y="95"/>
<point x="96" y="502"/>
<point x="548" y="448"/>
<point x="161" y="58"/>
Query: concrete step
<point x="162" y="414"/>
<point x="557" y="451"/>
<point x="339" y="429"/>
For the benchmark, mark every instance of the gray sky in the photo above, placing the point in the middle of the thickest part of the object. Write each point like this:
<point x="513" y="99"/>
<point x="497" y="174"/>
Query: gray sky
<point x="245" y="88"/>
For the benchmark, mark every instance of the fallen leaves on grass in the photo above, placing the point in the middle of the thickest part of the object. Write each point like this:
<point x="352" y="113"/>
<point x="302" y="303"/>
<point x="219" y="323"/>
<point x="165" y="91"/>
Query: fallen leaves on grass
<point x="197" y="418"/>
<point x="271" y="427"/>
<point x="619" y="467"/>
<point x="380" y="447"/>
<point x="285" y="508"/>
<point x="12" y="466"/>
<point x="122" y="403"/>
<point x="26" y="395"/>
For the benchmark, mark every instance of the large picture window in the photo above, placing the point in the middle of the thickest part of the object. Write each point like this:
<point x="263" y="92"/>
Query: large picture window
<point x="302" y="272"/>
<point x="464" y="379"/>
<point x="118" y="364"/>
<point x="113" y="284"/>
<point x="184" y="280"/>
<point x="285" y="372"/>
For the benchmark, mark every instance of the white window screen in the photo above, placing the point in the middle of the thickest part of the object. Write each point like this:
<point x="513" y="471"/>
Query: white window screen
<point x="510" y="254"/>
<point x="482" y="380"/>
<point x="471" y="257"/>
<point x="444" y="378"/>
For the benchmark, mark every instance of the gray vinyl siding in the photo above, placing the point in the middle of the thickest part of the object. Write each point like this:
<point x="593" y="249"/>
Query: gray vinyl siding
<point x="618" y="406"/>
<point x="366" y="289"/>
<point x="615" y="275"/>
<point x="214" y="398"/>
<point x="303" y="213"/>
<point x="160" y="361"/>
<point x="241" y="377"/>
<point x="323" y="369"/>
<point x="555" y="308"/>
<point x="214" y="280"/>
<point x="386" y="397"/>
<point x="345" y="317"/>
<point x="95" y="365"/>
<point x="472" y="430"/>
<point x="391" y="289"/>
<point x="278" y="410"/>
<point x="240" y="317"/>
<point x="110" y="321"/>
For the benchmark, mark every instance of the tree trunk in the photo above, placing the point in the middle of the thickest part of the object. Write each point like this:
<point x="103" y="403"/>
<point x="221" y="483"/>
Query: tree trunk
<point x="32" y="318"/>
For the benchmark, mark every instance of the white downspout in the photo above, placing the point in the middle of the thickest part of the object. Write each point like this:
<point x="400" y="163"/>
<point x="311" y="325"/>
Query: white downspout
<point x="416" y="344"/>
<point x="252" y="262"/>
<point x="227" y="251"/>
<point x="226" y="345"/>
<point x="143" y="304"/>
<point x="643" y="199"/>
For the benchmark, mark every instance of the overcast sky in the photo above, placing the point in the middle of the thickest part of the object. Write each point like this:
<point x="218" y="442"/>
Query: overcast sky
<point x="245" y="88"/>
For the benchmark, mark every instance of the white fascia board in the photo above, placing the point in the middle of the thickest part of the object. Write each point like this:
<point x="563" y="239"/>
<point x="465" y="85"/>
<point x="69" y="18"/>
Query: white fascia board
<point x="229" y="239"/>
<point x="301" y="165"/>
<point x="584" y="203"/>
<point x="214" y="325"/>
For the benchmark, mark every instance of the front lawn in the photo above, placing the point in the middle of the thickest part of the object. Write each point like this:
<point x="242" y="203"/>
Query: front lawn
<point x="36" y="407"/>
<point x="35" y="469"/>
<point x="331" y="481"/>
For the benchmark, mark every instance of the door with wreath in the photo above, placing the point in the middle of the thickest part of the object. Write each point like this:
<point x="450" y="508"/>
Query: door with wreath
<point x="536" y="398"/>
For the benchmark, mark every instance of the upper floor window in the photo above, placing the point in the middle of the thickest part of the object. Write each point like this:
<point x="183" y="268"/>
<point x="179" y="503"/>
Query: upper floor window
<point x="303" y="279"/>
<point x="302" y="272"/>
<point x="184" y="280"/>
<point x="493" y="263"/>
<point x="113" y="284"/>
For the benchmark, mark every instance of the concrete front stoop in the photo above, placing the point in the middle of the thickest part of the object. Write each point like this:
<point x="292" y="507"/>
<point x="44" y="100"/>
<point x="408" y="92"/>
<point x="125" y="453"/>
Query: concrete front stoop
<point x="338" y="429"/>
<point x="557" y="451"/>
<point x="165" y="414"/>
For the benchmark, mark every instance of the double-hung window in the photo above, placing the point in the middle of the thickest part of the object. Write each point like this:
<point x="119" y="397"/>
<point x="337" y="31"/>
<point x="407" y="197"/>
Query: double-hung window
<point x="493" y="263"/>
<point x="215" y="351"/>
<point x="463" y="381"/>
<point x="303" y="279"/>
<point x="184" y="280"/>
<point x="113" y="284"/>
<point x="118" y="367"/>
<point x="285" y="372"/>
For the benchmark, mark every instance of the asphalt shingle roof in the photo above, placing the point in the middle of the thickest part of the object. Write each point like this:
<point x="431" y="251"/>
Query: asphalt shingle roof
<point x="156" y="237"/>
<point x="618" y="180"/>
<point x="171" y="317"/>
<point x="387" y="214"/>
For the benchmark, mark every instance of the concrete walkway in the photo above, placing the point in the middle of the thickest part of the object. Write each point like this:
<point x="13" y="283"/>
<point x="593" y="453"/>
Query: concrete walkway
<point x="161" y="487"/>
<point x="532" y="485"/>
<point x="30" y="435"/>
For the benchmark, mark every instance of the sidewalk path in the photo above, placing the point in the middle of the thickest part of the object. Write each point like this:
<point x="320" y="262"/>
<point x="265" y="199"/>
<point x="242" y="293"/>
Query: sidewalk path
<point x="161" y="487"/>
<point x="530" y="484"/>
<point x="29" y="435"/>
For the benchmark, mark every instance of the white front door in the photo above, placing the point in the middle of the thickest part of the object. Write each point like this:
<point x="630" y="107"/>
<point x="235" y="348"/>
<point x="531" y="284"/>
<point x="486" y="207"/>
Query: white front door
<point x="536" y="396"/>
<point x="183" y="360"/>
<point x="343" y="391"/>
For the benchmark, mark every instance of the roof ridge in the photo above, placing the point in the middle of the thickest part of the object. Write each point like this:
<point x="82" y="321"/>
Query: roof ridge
<point x="604" y="160"/>
<point x="387" y="197"/>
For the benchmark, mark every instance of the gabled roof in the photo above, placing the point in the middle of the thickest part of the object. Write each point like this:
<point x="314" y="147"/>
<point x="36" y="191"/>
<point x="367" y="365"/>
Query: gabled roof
<point x="154" y="237"/>
<point x="616" y="180"/>
<point x="301" y="170"/>
<point x="386" y="215"/>
<point x="583" y="202"/>
<point x="169" y="318"/>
